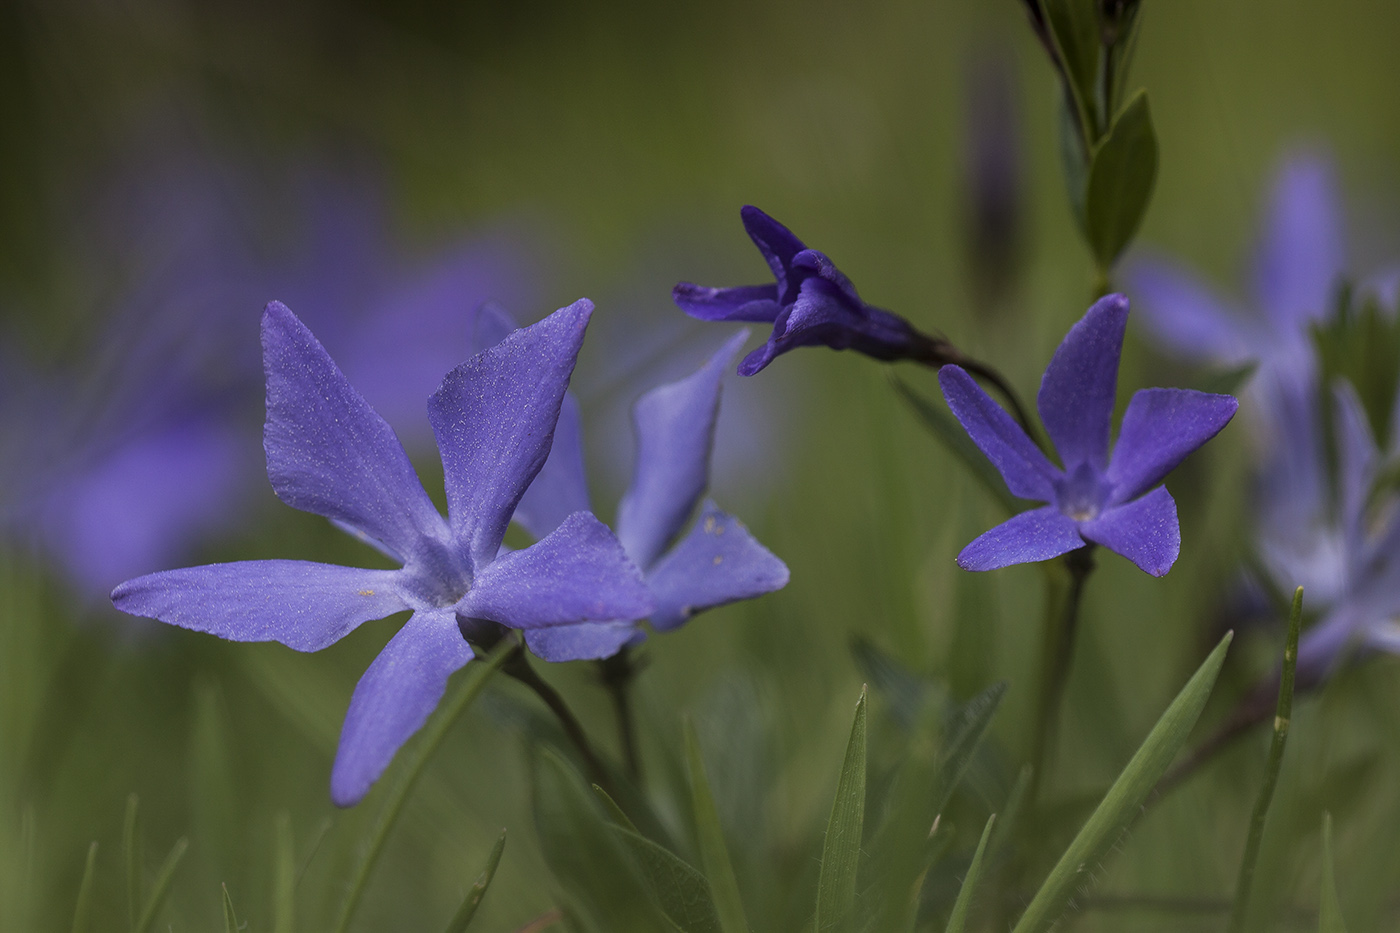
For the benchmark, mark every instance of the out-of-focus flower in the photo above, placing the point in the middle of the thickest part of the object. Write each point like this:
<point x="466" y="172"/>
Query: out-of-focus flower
<point x="717" y="562"/>
<point x="330" y="453"/>
<point x="811" y="304"/>
<point x="1094" y="498"/>
<point x="993" y="176"/>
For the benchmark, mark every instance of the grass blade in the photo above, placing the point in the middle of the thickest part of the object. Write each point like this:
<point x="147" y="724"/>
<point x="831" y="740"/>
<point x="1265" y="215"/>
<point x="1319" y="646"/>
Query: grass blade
<point x="714" y="854"/>
<point x="1330" y="915"/>
<point x="162" y="885"/>
<point x="230" y="918"/>
<point x="463" y="917"/>
<point x="836" y="883"/>
<point x="284" y="875"/>
<point x="957" y="922"/>
<point x="1124" y="798"/>
<point x="1282" y="715"/>
<point x="82" y="911"/>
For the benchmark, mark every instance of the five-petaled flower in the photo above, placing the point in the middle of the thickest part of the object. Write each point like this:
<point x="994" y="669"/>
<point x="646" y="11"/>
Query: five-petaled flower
<point x="1095" y="498"/>
<point x="330" y="453"/>
<point x="811" y="304"/>
<point x="717" y="562"/>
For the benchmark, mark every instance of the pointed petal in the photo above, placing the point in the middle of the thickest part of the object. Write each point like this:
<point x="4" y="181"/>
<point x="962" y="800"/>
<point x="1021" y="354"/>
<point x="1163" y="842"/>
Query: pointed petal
<point x="1302" y="252"/>
<point x="758" y="303"/>
<point x="675" y="430"/>
<point x="1026" y="471"/>
<point x="394" y="698"/>
<point x="1160" y="429"/>
<point x="1039" y="534"/>
<point x="560" y="488"/>
<point x="777" y="244"/>
<point x="1077" y="391"/>
<point x="303" y="605"/>
<point x="590" y="641"/>
<point x="718" y="562"/>
<point x="577" y="574"/>
<point x="329" y="452"/>
<point x="1145" y="531"/>
<point x="1185" y="315"/>
<point x="817" y="263"/>
<point x="494" y="418"/>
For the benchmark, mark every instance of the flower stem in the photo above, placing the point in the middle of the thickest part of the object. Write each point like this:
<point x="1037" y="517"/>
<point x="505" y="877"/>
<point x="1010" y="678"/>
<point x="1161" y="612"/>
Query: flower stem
<point x="617" y="674"/>
<point x="517" y="666"/>
<point x="1057" y="653"/>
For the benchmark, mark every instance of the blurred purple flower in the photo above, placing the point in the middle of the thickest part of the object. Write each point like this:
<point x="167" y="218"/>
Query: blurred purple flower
<point x="1096" y="498"/>
<point x="811" y="304"/>
<point x="717" y="562"/>
<point x="330" y="453"/>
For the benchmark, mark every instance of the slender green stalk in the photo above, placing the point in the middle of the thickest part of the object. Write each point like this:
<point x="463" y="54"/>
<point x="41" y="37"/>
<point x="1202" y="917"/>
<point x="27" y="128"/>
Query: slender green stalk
<point x="82" y="912"/>
<point x="414" y="760"/>
<point x="1266" y="791"/>
<point x="164" y="876"/>
<point x="617" y="674"/>
<point x="1056" y="655"/>
<point x="517" y="666"/>
<point x="132" y="856"/>
<point x="463" y="917"/>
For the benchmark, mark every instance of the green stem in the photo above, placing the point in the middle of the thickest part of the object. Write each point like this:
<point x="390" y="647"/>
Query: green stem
<point x="413" y="760"/>
<point x="1056" y="655"/>
<point x="517" y="666"/>
<point x="617" y="674"/>
<point x="1266" y="792"/>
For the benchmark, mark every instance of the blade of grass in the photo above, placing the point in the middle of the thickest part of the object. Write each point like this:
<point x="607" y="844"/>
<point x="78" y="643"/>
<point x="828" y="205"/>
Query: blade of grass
<point x="1329" y="918"/>
<point x="1282" y="715"/>
<point x="463" y="917"/>
<point x="957" y="921"/>
<point x="714" y="854"/>
<point x="836" y="882"/>
<point x="230" y="918"/>
<point x="1124" y="798"/>
<point x="82" y="912"/>
<point x="132" y="857"/>
<point x="284" y="875"/>
<point x="164" y="876"/>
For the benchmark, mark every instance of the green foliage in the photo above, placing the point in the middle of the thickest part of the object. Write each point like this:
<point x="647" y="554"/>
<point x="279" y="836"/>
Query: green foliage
<point x="1360" y="344"/>
<point x="836" y="882"/>
<point x="1074" y="26"/>
<point x="714" y="853"/>
<point x="82" y="911"/>
<point x="1122" y="174"/>
<point x="231" y="924"/>
<point x="957" y="922"/>
<point x="463" y="918"/>
<point x="1330" y="913"/>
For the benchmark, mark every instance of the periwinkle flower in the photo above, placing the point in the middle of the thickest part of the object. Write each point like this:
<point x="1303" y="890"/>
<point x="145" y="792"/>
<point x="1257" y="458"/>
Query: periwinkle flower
<point x="811" y="304"/>
<point x="717" y="562"/>
<point x="1097" y="497"/>
<point x="330" y="453"/>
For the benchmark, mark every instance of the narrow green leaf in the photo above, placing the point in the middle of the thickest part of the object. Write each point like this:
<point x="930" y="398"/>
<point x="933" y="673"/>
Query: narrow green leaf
<point x="1330" y="915"/>
<point x="1011" y="813"/>
<point x="284" y="875"/>
<point x="946" y="429"/>
<point x="836" y="882"/>
<point x="230" y="918"/>
<point x="714" y="854"/>
<point x="133" y="857"/>
<point x="1121" y="176"/>
<point x="1124" y="799"/>
<point x="82" y="911"/>
<point x="957" y="922"/>
<point x="463" y="917"/>
<point x="683" y="892"/>
<point x="613" y="810"/>
<point x="162" y="885"/>
<point x="1283" y="713"/>
<point x="1074" y="27"/>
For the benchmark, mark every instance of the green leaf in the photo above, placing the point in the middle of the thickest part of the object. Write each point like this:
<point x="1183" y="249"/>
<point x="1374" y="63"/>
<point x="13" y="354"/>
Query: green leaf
<point x="1330" y="915"/>
<point x="1124" y="799"/>
<point x="162" y="885"/>
<point x="714" y="854"/>
<point x="284" y="875"/>
<point x="133" y="857"/>
<point x="82" y="911"/>
<point x="613" y="810"/>
<point x="230" y="918"/>
<point x="1074" y="27"/>
<point x="463" y="917"/>
<point x="958" y="920"/>
<point x="836" y="882"/>
<point x="683" y="892"/>
<point x="1121" y="176"/>
<point x="951" y="434"/>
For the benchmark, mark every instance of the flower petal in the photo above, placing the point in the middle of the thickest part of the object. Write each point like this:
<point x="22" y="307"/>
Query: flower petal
<point x="394" y="698"/>
<point x="1078" y="388"/>
<point x="494" y="418"/>
<point x="675" y="430"/>
<point x="579" y="573"/>
<point x="718" y="562"/>
<point x="1302" y="252"/>
<point x="1183" y="313"/>
<point x="1026" y="471"/>
<point x="303" y="605"/>
<point x="1160" y="429"/>
<point x="329" y="452"/>
<point x="817" y="263"/>
<point x="777" y="244"/>
<point x="589" y="641"/>
<point x="1039" y="534"/>
<point x="757" y="303"/>
<point x="560" y="488"/>
<point x="1145" y="531"/>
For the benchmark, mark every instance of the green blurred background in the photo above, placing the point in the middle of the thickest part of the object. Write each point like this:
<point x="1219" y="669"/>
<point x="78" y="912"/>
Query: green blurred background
<point x="625" y="137"/>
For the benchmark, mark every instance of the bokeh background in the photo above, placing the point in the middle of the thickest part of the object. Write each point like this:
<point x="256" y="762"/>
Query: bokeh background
<point x="166" y="168"/>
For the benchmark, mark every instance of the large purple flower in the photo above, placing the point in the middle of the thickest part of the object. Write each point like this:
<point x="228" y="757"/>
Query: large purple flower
<point x="330" y="453"/>
<point x="1096" y="498"/>
<point x="811" y="304"/>
<point x="717" y="562"/>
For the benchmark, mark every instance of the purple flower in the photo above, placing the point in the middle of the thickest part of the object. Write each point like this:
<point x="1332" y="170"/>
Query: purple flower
<point x="330" y="453"/>
<point x="811" y="304"/>
<point x="717" y="562"/>
<point x="1097" y="497"/>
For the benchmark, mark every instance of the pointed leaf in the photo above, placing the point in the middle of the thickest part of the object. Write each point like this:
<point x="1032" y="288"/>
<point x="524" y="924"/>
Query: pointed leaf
<point x="1330" y="915"/>
<point x="82" y="912"/>
<point x="162" y="885"/>
<point x="1074" y="27"/>
<point x="615" y="813"/>
<point x="230" y="918"/>
<point x="683" y="892"/>
<point x="957" y="922"/>
<point x="1124" y="799"/>
<point x="463" y="918"/>
<point x="836" y="883"/>
<point x="1121" y="177"/>
<point x="714" y="854"/>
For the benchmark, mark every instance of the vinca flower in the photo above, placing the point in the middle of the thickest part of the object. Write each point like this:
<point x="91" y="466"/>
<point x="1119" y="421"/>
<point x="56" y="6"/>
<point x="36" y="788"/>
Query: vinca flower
<point x="811" y="304"/>
<point x="717" y="562"/>
<point x="1098" y="497"/>
<point x="330" y="453"/>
